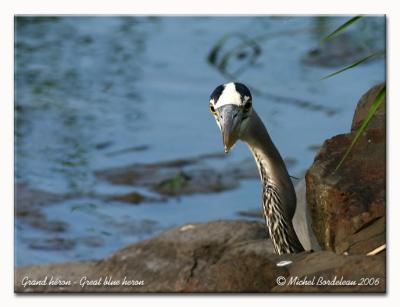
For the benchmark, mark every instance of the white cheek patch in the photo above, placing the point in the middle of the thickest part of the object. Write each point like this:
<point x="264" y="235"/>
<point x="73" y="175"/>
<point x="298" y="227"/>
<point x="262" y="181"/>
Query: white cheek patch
<point x="229" y="96"/>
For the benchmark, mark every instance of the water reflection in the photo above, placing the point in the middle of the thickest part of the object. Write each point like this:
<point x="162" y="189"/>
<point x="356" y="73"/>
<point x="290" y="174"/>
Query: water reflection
<point x="70" y="72"/>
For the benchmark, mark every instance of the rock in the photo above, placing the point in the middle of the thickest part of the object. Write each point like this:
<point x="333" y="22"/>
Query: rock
<point x="196" y="181"/>
<point x="28" y="208"/>
<point x="220" y="256"/>
<point x="378" y="121"/>
<point x="370" y="236"/>
<point x="40" y="221"/>
<point x="182" y="176"/>
<point x="338" y="51"/>
<point x="134" y="198"/>
<point x="329" y="272"/>
<point x="342" y="203"/>
<point x="186" y="259"/>
<point x="28" y="199"/>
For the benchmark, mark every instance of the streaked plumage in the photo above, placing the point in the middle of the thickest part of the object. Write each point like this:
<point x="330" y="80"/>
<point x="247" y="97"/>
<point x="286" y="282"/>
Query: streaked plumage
<point x="231" y="105"/>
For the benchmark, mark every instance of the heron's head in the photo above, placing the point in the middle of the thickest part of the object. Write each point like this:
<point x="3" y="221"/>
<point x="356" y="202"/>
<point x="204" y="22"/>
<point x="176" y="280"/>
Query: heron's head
<point x="231" y="105"/>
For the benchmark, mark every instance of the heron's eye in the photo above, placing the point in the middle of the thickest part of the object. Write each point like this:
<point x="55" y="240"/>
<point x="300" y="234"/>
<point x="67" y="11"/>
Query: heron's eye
<point x="212" y="109"/>
<point x="247" y="106"/>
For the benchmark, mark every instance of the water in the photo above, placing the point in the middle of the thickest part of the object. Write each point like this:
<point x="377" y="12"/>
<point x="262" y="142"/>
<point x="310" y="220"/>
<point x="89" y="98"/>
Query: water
<point x="88" y="88"/>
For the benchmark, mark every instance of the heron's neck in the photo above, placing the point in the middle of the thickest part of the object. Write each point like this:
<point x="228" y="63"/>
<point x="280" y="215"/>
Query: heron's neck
<point x="268" y="159"/>
<point x="279" y="198"/>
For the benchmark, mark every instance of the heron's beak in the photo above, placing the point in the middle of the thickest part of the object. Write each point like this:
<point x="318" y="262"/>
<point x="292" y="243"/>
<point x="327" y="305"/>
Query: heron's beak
<point x="229" y="120"/>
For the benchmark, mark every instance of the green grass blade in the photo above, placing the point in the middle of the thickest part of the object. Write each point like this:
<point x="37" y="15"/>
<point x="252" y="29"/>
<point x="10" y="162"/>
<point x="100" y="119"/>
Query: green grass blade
<point x="354" y="64"/>
<point x="342" y="27"/>
<point x="375" y="105"/>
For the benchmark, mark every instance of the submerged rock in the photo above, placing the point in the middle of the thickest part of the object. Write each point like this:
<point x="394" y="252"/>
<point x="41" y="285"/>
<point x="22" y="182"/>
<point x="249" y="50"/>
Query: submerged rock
<point x="28" y="199"/>
<point x="340" y="50"/>
<point x="182" y="176"/>
<point x="220" y="256"/>
<point x="28" y="207"/>
<point x="40" y="221"/>
<point x="346" y="201"/>
<point x="134" y="198"/>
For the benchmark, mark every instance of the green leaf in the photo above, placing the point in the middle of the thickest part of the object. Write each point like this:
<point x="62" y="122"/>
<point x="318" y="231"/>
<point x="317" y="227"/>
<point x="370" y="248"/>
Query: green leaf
<point x="342" y="27"/>
<point x="354" y="64"/>
<point x="375" y="105"/>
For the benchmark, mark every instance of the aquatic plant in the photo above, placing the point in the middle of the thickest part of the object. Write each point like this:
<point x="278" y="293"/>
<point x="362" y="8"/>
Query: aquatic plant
<point x="379" y="97"/>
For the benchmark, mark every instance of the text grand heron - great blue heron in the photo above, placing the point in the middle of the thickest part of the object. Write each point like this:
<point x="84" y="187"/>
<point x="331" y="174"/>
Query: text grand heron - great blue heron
<point x="231" y="105"/>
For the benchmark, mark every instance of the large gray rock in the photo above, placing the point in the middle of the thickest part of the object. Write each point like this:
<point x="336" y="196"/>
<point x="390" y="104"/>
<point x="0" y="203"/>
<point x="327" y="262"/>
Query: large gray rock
<point x="221" y="256"/>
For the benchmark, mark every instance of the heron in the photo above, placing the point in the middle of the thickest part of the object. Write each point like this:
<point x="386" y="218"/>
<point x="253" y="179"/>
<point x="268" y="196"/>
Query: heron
<point x="232" y="107"/>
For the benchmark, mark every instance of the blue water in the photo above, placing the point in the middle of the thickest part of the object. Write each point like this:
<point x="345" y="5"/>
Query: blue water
<point x="88" y="87"/>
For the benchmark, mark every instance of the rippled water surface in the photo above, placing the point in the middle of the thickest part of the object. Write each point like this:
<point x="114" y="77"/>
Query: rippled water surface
<point x="93" y="93"/>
